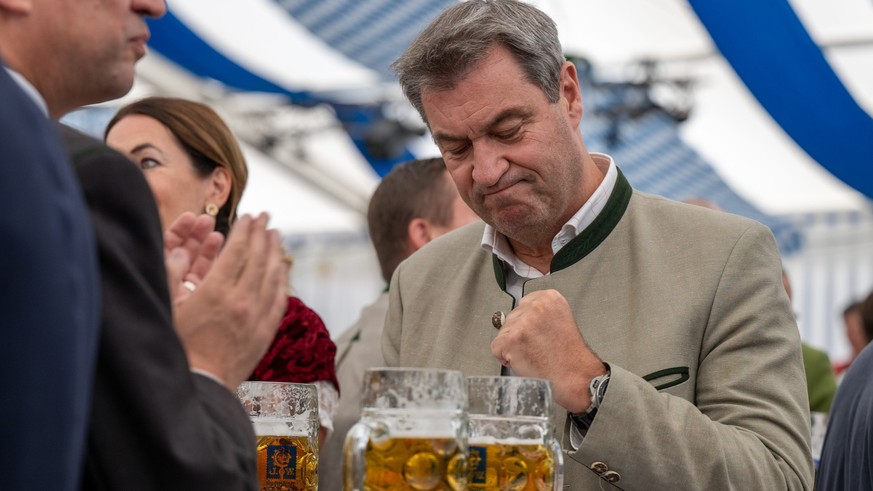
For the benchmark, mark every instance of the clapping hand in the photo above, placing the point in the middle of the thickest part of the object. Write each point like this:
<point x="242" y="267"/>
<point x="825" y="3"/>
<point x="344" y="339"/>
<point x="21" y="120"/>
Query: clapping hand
<point x="191" y="245"/>
<point x="227" y="323"/>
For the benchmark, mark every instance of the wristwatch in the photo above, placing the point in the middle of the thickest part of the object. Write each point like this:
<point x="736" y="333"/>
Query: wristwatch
<point x="596" y="390"/>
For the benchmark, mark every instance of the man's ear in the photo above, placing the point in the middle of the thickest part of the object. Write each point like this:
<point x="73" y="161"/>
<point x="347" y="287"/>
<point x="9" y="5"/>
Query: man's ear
<point x="419" y="233"/>
<point x="570" y="92"/>
<point x="16" y="6"/>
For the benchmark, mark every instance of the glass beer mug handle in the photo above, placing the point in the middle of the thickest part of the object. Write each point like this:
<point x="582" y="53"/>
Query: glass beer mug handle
<point x="354" y="456"/>
<point x="558" y="459"/>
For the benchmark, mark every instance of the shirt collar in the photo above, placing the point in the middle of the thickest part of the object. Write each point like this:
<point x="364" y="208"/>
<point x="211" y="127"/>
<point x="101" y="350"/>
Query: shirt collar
<point x="28" y="89"/>
<point x="497" y="243"/>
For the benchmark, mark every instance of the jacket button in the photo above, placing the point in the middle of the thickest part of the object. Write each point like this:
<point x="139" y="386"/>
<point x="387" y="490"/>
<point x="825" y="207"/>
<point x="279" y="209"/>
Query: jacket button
<point x="611" y="477"/>
<point x="599" y="467"/>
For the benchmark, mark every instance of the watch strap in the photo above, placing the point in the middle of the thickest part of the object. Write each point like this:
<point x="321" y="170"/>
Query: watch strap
<point x="596" y="390"/>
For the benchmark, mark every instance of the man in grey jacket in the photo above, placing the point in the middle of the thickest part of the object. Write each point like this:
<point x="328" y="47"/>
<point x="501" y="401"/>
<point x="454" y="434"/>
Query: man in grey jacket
<point x="663" y="327"/>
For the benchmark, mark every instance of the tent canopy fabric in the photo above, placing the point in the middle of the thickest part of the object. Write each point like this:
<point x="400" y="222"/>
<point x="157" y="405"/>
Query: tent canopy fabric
<point x="337" y="52"/>
<point x="787" y="72"/>
<point x="655" y="160"/>
<point x="390" y="26"/>
<point x="342" y="79"/>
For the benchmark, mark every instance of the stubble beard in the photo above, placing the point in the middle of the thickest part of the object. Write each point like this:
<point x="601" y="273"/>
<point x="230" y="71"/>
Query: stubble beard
<point x="522" y="223"/>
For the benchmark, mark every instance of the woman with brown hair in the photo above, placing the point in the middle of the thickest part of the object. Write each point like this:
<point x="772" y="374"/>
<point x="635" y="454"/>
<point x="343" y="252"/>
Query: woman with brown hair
<point x="193" y="163"/>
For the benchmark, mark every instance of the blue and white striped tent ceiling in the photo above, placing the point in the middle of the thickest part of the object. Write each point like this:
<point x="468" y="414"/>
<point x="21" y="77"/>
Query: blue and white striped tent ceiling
<point x="654" y="159"/>
<point x="390" y="26"/>
<point x="338" y="52"/>
<point x="334" y="48"/>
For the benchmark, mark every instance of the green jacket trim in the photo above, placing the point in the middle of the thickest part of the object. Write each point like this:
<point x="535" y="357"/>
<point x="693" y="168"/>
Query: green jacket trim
<point x="600" y="228"/>
<point x="498" y="271"/>
<point x="590" y="238"/>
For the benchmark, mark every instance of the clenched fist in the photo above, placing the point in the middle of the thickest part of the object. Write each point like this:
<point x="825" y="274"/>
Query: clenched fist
<point x="540" y="339"/>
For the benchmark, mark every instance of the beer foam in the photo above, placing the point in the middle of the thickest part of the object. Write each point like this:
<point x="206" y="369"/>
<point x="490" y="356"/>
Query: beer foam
<point x="276" y="427"/>
<point x="417" y="424"/>
<point x="424" y="435"/>
<point x="490" y="440"/>
<point x="428" y="429"/>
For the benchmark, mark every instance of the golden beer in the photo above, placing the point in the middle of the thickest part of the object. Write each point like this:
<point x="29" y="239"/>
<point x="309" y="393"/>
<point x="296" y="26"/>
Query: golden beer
<point x="415" y="463"/>
<point x="510" y="466"/>
<point x="287" y="463"/>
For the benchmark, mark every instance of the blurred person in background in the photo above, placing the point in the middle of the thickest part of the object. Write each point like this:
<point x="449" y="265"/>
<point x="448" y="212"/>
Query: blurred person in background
<point x="193" y="163"/>
<point x="847" y="456"/>
<point x="821" y="383"/>
<point x="414" y="204"/>
<point x="858" y="333"/>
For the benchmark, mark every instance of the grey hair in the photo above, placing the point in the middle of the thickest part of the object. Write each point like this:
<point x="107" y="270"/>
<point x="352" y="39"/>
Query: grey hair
<point x="464" y="34"/>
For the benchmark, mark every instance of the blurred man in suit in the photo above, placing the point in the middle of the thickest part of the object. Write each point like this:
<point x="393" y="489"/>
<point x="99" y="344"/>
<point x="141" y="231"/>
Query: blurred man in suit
<point x="415" y="203"/>
<point x="49" y="308"/>
<point x="177" y="337"/>
<point x="847" y="456"/>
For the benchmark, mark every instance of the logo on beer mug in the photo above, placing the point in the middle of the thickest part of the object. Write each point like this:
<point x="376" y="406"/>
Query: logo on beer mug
<point x="279" y="458"/>
<point x="478" y="464"/>
<point x="285" y="462"/>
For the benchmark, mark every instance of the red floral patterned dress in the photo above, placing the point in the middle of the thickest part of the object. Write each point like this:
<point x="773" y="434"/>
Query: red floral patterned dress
<point x="302" y="352"/>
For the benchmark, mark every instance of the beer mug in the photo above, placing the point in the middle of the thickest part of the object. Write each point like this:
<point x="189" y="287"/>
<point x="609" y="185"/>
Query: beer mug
<point x="412" y="434"/>
<point x="512" y="435"/>
<point x="285" y="417"/>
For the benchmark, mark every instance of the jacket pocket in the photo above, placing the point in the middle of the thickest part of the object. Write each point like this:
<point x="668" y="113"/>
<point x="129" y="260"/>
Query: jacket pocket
<point x="668" y="377"/>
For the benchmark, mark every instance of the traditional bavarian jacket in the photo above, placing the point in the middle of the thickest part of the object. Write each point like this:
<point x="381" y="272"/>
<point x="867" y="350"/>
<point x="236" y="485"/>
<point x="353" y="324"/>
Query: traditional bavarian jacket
<point x="685" y="304"/>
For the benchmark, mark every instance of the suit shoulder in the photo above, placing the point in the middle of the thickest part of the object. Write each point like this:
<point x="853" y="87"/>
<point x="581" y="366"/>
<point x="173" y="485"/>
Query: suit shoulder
<point x="90" y="154"/>
<point x="81" y="146"/>
<point x="460" y="237"/>
<point x="449" y="245"/>
<point x="123" y="209"/>
<point x="103" y="171"/>
<point x="671" y="213"/>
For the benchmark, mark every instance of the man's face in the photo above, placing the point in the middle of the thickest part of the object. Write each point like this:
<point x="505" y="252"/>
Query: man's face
<point x="515" y="157"/>
<point x="94" y="45"/>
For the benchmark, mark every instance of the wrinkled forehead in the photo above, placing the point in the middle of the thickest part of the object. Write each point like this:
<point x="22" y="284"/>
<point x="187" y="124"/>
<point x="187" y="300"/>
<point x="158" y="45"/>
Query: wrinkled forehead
<point x="487" y="96"/>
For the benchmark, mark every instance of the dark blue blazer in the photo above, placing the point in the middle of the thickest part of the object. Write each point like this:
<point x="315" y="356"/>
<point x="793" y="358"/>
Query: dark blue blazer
<point x="847" y="455"/>
<point x="49" y="306"/>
